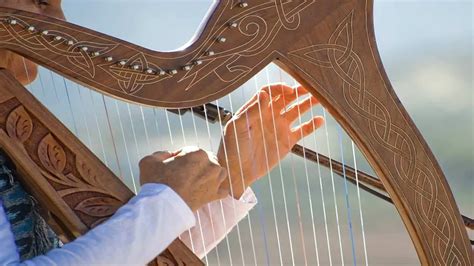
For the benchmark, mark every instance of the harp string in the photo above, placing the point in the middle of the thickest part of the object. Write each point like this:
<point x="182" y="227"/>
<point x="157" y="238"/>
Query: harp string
<point x="157" y="127"/>
<point x="84" y="121"/>
<point x="307" y="177"/>
<point x="185" y="143"/>
<point x="297" y="196"/>
<point x="256" y="191"/>
<point x="346" y="194"/>
<point x="280" y="169"/>
<point x="269" y="177"/>
<point x="106" y="106"/>
<point x="239" y="236"/>
<point x="122" y="132"/>
<point x="68" y="101"/>
<point x="333" y="190"/>
<point x="242" y="177"/>
<point x="197" y="212"/>
<point x="323" y="201"/>
<point x="220" y="201"/>
<point x="360" y="204"/>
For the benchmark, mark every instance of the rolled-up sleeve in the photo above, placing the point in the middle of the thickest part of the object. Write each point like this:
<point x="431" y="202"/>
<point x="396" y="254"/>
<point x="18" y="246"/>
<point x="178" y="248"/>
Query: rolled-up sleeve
<point x="216" y="220"/>
<point x="134" y="235"/>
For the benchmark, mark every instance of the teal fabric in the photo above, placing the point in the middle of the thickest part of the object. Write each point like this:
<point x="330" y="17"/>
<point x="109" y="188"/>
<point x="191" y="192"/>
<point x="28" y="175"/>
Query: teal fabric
<point x="33" y="236"/>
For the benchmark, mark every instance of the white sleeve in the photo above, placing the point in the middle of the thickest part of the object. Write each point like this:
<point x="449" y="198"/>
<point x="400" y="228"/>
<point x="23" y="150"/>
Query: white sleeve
<point x="215" y="221"/>
<point x="134" y="235"/>
<point x="8" y="252"/>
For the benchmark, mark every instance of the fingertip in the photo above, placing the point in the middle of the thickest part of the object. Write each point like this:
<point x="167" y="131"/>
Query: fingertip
<point x="300" y="90"/>
<point x="163" y="155"/>
<point x="318" y="121"/>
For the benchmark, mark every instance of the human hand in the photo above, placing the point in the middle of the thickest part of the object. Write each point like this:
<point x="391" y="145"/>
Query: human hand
<point x="260" y="134"/>
<point x="191" y="172"/>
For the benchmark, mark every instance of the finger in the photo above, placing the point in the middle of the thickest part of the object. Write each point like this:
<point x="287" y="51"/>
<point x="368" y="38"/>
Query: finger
<point x="254" y="110"/>
<point x="306" y="128"/>
<point x="222" y="192"/>
<point x="253" y="100"/>
<point x="253" y="103"/>
<point x="294" y="94"/>
<point x="222" y="176"/>
<point x="299" y="108"/>
<point x="163" y="155"/>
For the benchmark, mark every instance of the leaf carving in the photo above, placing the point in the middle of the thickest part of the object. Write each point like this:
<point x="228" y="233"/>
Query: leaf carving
<point x="98" y="206"/>
<point x="52" y="155"/>
<point x="86" y="172"/>
<point x="19" y="124"/>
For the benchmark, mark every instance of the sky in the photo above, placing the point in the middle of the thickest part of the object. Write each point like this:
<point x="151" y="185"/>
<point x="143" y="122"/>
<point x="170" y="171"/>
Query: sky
<point x="427" y="50"/>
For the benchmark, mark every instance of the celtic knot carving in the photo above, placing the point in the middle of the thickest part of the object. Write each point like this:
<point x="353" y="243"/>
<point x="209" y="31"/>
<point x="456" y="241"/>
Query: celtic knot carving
<point x="37" y="43"/>
<point x="339" y="55"/>
<point x="131" y="80"/>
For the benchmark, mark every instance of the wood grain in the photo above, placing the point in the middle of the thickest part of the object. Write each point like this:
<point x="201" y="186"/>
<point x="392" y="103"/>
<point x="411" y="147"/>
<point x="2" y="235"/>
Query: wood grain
<point x="63" y="175"/>
<point x="328" y="46"/>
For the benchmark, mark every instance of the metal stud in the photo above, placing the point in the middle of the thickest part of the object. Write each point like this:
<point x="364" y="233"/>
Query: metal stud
<point x="233" y="24"/>
<point x="186" y="67"/>
<point x="161" y="72"/>
<point x="221" y="39"/>
<point x="135" y="67"/>
<point x="172" y="71"/>
<point x="84" y="48"/>
<point x="198" y="62"/>
<point x="150" y="71"/>
<point x="95" y="53"/>
<point x="210" y="53"/>
<point x="109" y="59"/>
<point x="70" y="43"/>
<point x="31" y="29"/>
<point x="243" y="4"/>
<point x="13" y="22"/>
<point x="122" y="62"/>
<point x="58" y="38"/>
<point x="45" y="32"/>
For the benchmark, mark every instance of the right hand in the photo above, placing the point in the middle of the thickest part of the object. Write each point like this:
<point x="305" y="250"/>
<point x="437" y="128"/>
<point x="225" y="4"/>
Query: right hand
<point x="191" y="172"/>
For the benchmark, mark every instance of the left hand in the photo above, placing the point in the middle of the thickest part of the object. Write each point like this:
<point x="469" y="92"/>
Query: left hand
<point x="259" y="129"/>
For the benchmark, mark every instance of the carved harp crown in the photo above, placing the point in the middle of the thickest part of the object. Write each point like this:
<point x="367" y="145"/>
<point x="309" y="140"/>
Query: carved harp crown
<point x="327" y="46"/>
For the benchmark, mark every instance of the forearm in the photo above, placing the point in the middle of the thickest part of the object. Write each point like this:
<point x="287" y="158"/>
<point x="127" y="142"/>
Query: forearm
<point x="137" y="233"/>
<point x="215" y="220"/>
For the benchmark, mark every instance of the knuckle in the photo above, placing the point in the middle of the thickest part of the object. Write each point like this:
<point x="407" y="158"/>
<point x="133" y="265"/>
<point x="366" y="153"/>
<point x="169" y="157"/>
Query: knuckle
<point x="145" y="161"/>
<point x="198" y="153"/>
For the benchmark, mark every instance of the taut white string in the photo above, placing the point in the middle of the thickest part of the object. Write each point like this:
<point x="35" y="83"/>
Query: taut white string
<point x="127" y="153"/>
<point x="360" y="204"/>
<point x="322" y="192"/>
<point x="346" y="190"/>
<point x="280" y="170"/>
<point x="220" y="201"/>
<point x="259" y="206"/>
<point x="333" y="190"/>
<point x="315" y="239"/>
<point x="185" y="144"/>
<point x="230" y="184"/>
<point x="269" y="176"/>
<point x="243" y="181"/>
<point x="197" y="212"/>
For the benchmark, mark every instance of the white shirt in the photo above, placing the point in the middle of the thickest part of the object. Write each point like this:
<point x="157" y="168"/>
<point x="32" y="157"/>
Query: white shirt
<point x="140" y="230"/>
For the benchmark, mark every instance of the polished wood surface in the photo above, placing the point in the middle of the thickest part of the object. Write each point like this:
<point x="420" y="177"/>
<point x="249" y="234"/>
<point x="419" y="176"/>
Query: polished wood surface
<point x="328" y="46"/>
<point x="65" y="177"/>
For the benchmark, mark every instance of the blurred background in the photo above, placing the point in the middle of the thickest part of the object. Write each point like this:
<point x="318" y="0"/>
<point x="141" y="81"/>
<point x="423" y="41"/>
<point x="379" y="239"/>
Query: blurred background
<point x="427" y="50"/>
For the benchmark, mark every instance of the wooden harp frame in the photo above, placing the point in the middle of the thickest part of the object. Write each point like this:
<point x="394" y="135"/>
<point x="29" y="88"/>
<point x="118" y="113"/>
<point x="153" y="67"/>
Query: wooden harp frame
<point x="328" y="46"/>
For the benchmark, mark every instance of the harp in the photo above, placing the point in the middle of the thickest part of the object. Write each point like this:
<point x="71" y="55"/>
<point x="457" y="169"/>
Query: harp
<point x="333" y="53"/>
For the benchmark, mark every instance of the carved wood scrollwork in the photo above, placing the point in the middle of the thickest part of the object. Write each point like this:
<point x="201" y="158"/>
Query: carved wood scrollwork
<point x="84" y="191"/>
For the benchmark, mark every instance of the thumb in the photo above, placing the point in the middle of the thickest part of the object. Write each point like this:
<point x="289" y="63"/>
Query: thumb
<point x="162" y="155"/>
